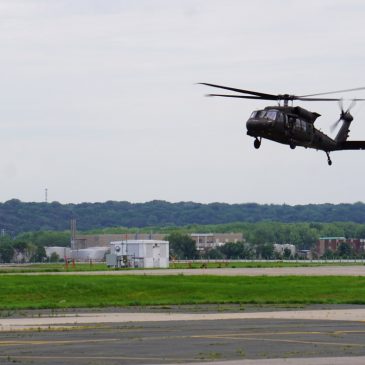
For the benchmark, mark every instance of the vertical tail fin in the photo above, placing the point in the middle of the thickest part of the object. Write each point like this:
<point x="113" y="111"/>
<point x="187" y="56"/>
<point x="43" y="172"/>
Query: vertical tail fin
<point x="343" y="133"/>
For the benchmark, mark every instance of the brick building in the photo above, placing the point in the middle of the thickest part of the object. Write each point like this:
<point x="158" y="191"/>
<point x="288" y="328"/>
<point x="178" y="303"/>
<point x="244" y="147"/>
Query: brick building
<point x="332" y="243"/>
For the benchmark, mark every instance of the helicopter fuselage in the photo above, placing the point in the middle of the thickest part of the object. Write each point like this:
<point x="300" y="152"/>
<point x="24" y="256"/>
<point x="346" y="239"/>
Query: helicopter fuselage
<point x="293" y="126"/>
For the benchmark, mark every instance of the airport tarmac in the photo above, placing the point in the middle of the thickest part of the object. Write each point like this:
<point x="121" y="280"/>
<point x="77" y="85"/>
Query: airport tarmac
<point x="222" y="335"/>
<point x="332" y="335"/>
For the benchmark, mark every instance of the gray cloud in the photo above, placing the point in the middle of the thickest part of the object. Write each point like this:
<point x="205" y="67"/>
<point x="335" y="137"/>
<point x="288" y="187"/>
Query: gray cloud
<point x="99" y="100"/>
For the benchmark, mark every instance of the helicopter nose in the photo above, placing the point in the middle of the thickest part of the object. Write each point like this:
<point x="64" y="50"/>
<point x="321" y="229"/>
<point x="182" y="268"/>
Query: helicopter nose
<point x="255" y="125"/>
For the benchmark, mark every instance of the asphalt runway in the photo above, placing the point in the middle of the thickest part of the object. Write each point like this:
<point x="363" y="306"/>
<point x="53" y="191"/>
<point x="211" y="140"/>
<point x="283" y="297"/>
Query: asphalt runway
<point x="242" y="340"/>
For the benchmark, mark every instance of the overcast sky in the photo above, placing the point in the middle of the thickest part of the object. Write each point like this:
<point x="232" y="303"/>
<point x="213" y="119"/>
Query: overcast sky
<point x="98" y="99"/>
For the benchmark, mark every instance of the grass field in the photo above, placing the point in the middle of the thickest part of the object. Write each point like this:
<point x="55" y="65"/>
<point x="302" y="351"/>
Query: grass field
<point x="259" y="264"/>
<point x="54" y="267"/>
<point x="24" y="291"/>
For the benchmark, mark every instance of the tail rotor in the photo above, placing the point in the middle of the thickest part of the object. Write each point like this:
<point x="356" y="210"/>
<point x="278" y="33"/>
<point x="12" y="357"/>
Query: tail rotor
<point x="345" y="116"/>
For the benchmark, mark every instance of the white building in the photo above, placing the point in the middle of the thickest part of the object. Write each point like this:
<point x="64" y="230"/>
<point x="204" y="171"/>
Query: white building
<point x="96" y="254"/>
<point x="139" y="253"/>
<point x="280" y="248"/>
<point x="61" y="252"/>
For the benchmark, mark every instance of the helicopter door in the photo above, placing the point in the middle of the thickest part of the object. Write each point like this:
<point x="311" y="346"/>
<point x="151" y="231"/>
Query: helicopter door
<point x="289" y="123"/>
<point x="300" y="129"/>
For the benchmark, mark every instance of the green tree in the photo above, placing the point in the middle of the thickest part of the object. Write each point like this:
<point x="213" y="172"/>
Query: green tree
<point x="345" y="250"/>
<point x="263" y="233"/>
<point x="54" y="257"/>
<point x="214" y="254"/>
<point x="236" y="250"/>
<point x="20" y="246"/>
<point x="266" y="251"/>
<point x="287" y="254"/>
<point x="182" y="246"/>
<point x="46" y="238"/>
<point x="329" y="254"/>
<point x="39" y="254"/>
<point x="6" y="251"/>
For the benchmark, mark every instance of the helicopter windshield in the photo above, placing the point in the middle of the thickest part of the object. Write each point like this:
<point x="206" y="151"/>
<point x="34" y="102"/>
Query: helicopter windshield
<point x="267" y="114"/>
<point x="258" y="114"/>
<point x="271" y="114"/>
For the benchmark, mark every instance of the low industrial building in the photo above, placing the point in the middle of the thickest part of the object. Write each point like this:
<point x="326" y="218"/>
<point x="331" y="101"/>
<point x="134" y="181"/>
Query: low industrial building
<point x="139" y="253"/>
<point x="332" y="243"/>
<point x="204" y="241"/>
<point x="94" y="254"/>
<point x="61" y="252"/>
<point x="82" y="241"/>
<point x="208" y="241"/>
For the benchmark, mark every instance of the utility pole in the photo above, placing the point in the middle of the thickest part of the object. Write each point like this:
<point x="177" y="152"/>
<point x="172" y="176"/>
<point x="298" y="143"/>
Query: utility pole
<point x="46" y="195"/>
<point x="73" y="234"/>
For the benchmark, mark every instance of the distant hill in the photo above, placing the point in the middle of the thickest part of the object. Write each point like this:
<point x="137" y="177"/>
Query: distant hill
<point x="17" y="216"/>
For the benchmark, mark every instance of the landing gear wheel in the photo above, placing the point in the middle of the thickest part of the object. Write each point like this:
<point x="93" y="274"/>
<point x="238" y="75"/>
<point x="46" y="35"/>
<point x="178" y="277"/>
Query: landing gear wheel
<point x="257" y="143"/>
<point x="329" y="161"/>
<point x="292" y="146"/>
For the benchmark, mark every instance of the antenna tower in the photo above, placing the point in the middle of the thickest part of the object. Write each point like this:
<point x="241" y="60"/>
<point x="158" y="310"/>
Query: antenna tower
<point x="73" y="233"/>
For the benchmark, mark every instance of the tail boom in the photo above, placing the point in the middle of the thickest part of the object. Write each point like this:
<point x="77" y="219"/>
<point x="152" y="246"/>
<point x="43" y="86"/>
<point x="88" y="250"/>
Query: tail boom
<point x="350" y="145"/>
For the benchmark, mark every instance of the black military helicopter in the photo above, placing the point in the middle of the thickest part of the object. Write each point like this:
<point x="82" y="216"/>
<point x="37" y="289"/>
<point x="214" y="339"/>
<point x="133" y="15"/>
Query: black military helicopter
<point x="293" y="125"/>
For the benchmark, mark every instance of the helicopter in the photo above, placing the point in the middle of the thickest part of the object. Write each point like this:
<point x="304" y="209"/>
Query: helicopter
<point x="294" y="125"/>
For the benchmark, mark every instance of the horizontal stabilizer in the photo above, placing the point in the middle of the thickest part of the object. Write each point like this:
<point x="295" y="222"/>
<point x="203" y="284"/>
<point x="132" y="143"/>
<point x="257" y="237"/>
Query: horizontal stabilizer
<point x="352" y="145"/>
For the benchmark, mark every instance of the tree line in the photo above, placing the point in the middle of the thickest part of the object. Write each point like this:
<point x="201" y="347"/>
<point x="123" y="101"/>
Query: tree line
<point x="30" y="247"/>
<point x="17" y="216"/>
<point x="183" y="247"/>
<point x="258" y="239"/>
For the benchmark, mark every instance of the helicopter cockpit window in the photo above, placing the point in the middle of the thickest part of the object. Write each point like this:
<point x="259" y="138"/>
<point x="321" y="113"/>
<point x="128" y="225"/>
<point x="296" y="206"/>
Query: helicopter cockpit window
<point x="271" y="114"/>
<point x="254" y="114"/>
<point x="258" y="114"/>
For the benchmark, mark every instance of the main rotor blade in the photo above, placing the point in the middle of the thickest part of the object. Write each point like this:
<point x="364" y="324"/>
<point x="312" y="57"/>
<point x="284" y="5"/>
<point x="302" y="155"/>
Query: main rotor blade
<point x="335" y="92"/>
<point x="263" y="95"/>
<point x="315" y="99"/>
<point x="242" y="96"/>
<point x="353" y="102"/>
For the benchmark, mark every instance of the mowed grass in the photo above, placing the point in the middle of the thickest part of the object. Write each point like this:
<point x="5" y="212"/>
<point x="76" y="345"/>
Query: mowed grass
<point x="53" y="267"/>
<point x="61" y="267"/>
<point x="25" y="291"/>
<point x="259" y="264"/>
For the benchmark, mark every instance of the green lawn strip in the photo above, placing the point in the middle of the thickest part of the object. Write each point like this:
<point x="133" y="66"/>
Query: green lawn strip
<point x="258" y="264"/>
<point x="57" y="267"/>
<point x="22" y="291"/>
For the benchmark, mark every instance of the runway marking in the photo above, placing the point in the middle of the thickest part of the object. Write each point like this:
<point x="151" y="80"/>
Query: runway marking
<point x="349" y="331"/>
<point x="30" y="357"/>
<point x="250" y="334"/>
<point x="228" y="336"/>
<point x="238" y="337"/>
<point x="55" y="342"/>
